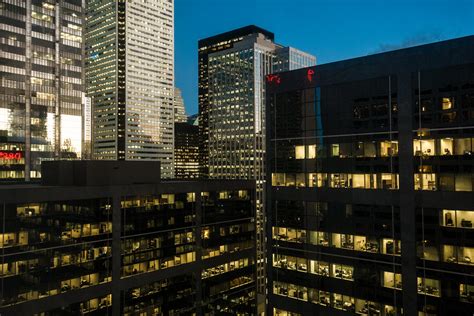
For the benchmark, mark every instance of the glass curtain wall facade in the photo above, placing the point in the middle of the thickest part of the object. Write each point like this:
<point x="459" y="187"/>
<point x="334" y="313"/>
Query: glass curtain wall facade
<point x="165" y="249"/>
<point x="236" y="118"/>
<point x="290" y="58"/>
<point x="235" y="115"/>
<point x="130" y="79"/>
<point x="370" y="201"/>
<point x="41" y="85"/>
<point x="206" y="47"/>
<point x="186" y="151"/>
<point x="179" y="109"/>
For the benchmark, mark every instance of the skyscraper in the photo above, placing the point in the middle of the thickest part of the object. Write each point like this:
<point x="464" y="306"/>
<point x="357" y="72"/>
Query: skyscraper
<point x="232" y="70"/>
<point x="206" y="47"/>
<point x="179" y="109"/>
<point x="130" y="79"/>
<point x="41" y="84"/>
<point x="371" y="198"/>
<point x="186" y="150"/>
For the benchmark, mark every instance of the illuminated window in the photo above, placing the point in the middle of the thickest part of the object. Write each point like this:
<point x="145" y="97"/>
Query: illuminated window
<point x="391" y="247"/>
<point x="388" y="148"/>
<point x="360" y="243"/>
<point x="342" y="272"/>
<point x="358" y="181"/>
<point x="425" y="181"/>
<point x="392" y="280"/>
<point x="318" y="180"/>
<point x="428" y="286"/>
<point x="311" y="152"/>
<point x="466" y="292"/>
<point x="446" y="146"/>
<point x="42" y="17"/>
<point x="299" y="152"/>
<point x="45" y="96"/>
<point x="190" y="197"/>
<point x="205" y="233"/>
<point x="425" y="147"/>
<point x="319" y="267"/>
<point x="447" y="103"/>
<point x="335" y="150"/>
<point x="36" y="80"/>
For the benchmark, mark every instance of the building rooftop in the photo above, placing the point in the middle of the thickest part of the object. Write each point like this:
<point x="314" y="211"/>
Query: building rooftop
<point x="246" y="30"/>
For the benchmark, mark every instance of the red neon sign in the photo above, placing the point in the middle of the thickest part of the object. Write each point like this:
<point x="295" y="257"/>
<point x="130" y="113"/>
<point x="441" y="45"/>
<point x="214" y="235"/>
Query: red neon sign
<point x="310" y="75"/>
<point x="10" y="156"/>
<point x="274" y="78"/>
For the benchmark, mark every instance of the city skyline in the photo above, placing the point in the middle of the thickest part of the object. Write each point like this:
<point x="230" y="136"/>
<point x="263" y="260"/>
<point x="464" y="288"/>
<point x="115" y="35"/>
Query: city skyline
<point x="329" y="170"/>
<point x="360" y="29"/>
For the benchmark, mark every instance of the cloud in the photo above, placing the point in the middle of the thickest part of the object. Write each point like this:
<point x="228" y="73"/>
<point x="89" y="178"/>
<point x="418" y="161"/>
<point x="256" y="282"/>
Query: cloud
<point x="415" y="40"/>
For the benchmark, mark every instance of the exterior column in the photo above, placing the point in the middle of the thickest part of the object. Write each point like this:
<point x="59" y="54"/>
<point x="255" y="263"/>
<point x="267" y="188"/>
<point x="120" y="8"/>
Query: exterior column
<point x="116" y="255"/>
<point x="407" y="193"/>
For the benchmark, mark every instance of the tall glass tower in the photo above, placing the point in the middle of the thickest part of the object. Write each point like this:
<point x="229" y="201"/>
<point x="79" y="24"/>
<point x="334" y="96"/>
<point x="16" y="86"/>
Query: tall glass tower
<point x="232" y="71"/>
<point x="130" y="79"/>
<point x="179" y="109"/>
<point x="41" y="85"/>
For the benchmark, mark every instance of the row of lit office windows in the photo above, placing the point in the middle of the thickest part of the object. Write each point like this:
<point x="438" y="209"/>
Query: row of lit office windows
<point x="422" y="181"/>
<point x="228" y="231"/>
<point x="55" y="261"/>
<point x="386" y="246"/>
<point x="386" y="148"/>
<point x="333" y="300"/>
<point x="332" y="270"/>
<point x="136" y="245"/>
<point x="337" y="180"/>
<point x="425" y="286"/>
<point x="82" y="281"/>
<point x="226" y="267"/>
<point x="389" y="279"/>
<point x="71" y="232"/>
<point x="158" y="264"/>
<point x="425" y="250"/>
<point x="220" y="250"/>
<point x="457" y="218"/>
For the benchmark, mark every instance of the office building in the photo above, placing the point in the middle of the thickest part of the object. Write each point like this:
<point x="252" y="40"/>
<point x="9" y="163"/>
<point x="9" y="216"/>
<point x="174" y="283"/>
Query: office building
<point x="276" y="58"/>
<point x="232" y="70"/>
<point x="206" y="47"/>
<point x="130" y="79"/>
<point x="179" y="109"/>
<point x="41" y="85"/>
<point x="370" y="203"/>
<point x="186" y="150"/>
<point x="290" y="58"/>
<point x="108" y="238"/>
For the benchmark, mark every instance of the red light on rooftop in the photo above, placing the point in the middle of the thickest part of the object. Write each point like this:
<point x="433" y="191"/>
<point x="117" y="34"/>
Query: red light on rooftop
<point x="274" y="78"/>
<point x="310" y="75"/>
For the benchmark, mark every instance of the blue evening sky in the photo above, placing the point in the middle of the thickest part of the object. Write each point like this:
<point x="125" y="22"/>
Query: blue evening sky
<point x="330" y="29"/>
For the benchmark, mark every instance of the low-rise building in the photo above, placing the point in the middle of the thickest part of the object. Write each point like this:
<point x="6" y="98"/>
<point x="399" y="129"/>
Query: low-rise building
<point x="110" y="237"/>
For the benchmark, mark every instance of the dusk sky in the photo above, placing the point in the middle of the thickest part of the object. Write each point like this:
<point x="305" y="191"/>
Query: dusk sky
<point x="330" y="29"/>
